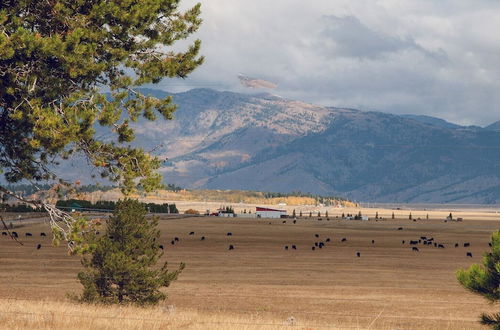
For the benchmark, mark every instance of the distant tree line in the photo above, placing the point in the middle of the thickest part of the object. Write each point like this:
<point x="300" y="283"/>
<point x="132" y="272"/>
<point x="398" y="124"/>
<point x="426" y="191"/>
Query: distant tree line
<point x="110" y="206"/>
<point x="326" y="200"/>
<point x="20" y="208"/>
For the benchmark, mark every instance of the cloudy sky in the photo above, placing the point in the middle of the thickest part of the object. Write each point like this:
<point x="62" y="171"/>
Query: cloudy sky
<point x="438" y="58"/>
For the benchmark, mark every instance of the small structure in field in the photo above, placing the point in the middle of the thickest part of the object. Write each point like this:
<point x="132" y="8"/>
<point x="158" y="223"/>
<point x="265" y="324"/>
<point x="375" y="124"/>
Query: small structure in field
<point x="264" y="212"/>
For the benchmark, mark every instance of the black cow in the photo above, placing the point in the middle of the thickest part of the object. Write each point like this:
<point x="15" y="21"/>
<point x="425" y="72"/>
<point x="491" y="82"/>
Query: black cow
<point x="435" y="244"/>
<point x="316" y="235"/>
<point x="161" y="246"/>
<point x="327" y="240"/>
<point x="172" y="242"/>
<point x="400" y="228"/>
<point x="286" y="247"/>
<point x="176" y="239"/>
<point x="294" y="247"/>
<point x="358" y="254"/>
<point x="39" y="246"/>
<point x="343" y="239"/>
<point x="413" y="242"/>
<point x="43" y="234"/>
<point x="321" y="244"/>
<point x="202" y="238"/>
<point x="316" y="244"/>
<point x="373" y="241"/>
<point x="4" y="233"/>
<point x="414" y="248"/>
<point x="423" y="237"/>
<point x="313" y="248"/>
<point x="466" y="244"/>
<point x="489" y="244"/>
<point x="28" y="234"/>
<point x="229" y="234"/>
<point x="191" y="233"/>
<point x="231" y="247"/>
<point x="440" y="246"/>
<point x="284" y="221"/>
<point x="14" y="234"/>
<point x="403" y="242"/>
<point x="469" y="254"/>
<point x="294" y="221"/>
<point x="456" y="245"/>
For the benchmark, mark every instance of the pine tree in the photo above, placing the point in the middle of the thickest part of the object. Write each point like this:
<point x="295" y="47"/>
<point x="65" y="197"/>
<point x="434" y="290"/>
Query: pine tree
<point x="485" y="279"/>
<point x="300" y="214"/>
<point x="326" y="214"/>
<point x="119" y="264"/>
<point x="68" y="67"/>
<point x="376" y="215"/>
<point x="410" y="216"/>
<point x="310" y="214"/>
<point x="293" y="213"/>
<point x="393" y="215"/>
<point x="319" y="214"/>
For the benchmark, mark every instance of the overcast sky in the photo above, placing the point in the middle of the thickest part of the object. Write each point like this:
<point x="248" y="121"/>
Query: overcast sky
<point x="431" y="57"/>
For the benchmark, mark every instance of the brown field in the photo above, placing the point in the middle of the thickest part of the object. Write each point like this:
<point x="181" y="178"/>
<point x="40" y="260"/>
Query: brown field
<point x="259" y="284"/>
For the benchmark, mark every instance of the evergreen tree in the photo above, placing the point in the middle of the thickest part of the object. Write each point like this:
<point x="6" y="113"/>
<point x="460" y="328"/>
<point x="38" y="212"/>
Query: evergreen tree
<point x="293" y="213"/>
<point x="310" y="214"/>
<point x="427" y="216"/>
<point x="393" y="215"/>
<point x="319" y="214"/>
<point x="119" y="265"/>
<point x="300" y="214"/>
<point x="410" y="216"/>
<point x="69" y="66"/>
<point x="326" y="214"/>
<point x="485" y="279"/>
<point x="376" y="215"/>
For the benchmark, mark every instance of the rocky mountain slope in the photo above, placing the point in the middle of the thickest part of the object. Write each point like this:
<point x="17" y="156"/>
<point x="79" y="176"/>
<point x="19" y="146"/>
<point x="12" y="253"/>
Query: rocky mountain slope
<point x="224" y="140"/>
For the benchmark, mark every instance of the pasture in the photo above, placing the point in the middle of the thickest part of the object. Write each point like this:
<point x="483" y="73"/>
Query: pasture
<point x="389" y="286"/>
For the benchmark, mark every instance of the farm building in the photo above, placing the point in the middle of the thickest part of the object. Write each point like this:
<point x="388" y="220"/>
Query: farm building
<point x="263" y="212"/>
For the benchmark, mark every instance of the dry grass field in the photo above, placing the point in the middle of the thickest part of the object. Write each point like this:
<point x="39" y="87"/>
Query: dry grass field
<point x="259" y="284"/>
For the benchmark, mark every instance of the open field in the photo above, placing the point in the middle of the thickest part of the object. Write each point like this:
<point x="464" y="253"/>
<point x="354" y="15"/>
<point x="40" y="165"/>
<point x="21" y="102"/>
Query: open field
<point x="388" y="287"/>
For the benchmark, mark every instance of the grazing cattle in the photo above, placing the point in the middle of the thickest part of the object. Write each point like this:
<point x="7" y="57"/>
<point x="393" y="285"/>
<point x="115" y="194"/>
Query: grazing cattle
<point x="202" y="238"/>
<point x="321" y="244"/>
<point x="43" y="234"/>
<point x="229" y="234"/>
<point x="316" y="235"/>
<point x="97" y="233"/>
<point x="430" y="239"/>
<point x="294" y="247"/>
<point x="440" y="246"/>
<point x="456" y="245"/>
<point x="191" y="233"/>
<point x="316" y="244"/>
<point x="39" y="246"/>
<point x="286" y="247"/>
<point x="469" y="254"/>
<point x="4" y="233"/>
<point x="173" y="242"/>
<point x="414" y="220"/>
<point x="161" y="246"/>
<point x="343" y="239"/>
<point x="313" y="248"/>
<point x="176" y="239"/>
<point x="14" y="234"/>
<point x="400" y="228"/>
<point x="423" y="237"/>
<point x="419" y="241"/>
<point x="413" y="242"/>
<point x="466" y="244"/>
<point x="28" y="234"/>
<point x="403" y="242"/>
<point x="327" y="240"/>
<point x="435" y="244"/>
<point x="231" y="247"/>
<point x="294" y="221"/>
<point x="414" y="248"/>
<point x="284" y="221"/>
<point x="373" y="241"/>
<point x="110" y="237"/>
<point x="489" y="244"/>
<point x="358" y="254"/>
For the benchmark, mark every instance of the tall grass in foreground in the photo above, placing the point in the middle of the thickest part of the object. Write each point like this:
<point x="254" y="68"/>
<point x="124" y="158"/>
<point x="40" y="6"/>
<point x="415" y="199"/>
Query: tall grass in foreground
<point x="26" y="314"/>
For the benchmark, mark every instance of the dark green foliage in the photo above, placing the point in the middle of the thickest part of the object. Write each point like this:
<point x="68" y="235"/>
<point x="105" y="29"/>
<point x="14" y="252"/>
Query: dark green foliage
<point x="57" y="59"/>
<point x="83" y="205"/>
<point x="119" y="266"/>
<point x="485" y="279"/>
<point x="20" y="208"/>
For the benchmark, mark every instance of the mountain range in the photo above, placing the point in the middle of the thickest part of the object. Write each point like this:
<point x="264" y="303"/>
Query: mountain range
<point x="226" y="140"/>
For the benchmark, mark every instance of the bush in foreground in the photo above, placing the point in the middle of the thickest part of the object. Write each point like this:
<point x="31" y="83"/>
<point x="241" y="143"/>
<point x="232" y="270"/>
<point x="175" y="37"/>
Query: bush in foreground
<point x="118" y="265"/>
<point x="485" y="279"/>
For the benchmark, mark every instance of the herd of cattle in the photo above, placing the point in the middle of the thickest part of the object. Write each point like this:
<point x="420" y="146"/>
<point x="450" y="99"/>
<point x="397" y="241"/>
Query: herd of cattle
<point x="414" y="243"/>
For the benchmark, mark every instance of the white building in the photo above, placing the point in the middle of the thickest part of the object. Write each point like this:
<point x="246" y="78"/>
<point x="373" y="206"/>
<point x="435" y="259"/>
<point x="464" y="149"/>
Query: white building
<point x="264" y="212"/>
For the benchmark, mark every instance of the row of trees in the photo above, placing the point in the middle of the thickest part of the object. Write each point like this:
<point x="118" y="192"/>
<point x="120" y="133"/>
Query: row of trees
<point x="78" y="204"/>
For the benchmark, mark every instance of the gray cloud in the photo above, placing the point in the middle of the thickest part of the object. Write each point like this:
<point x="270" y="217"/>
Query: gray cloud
<point x="436" y="58"/>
